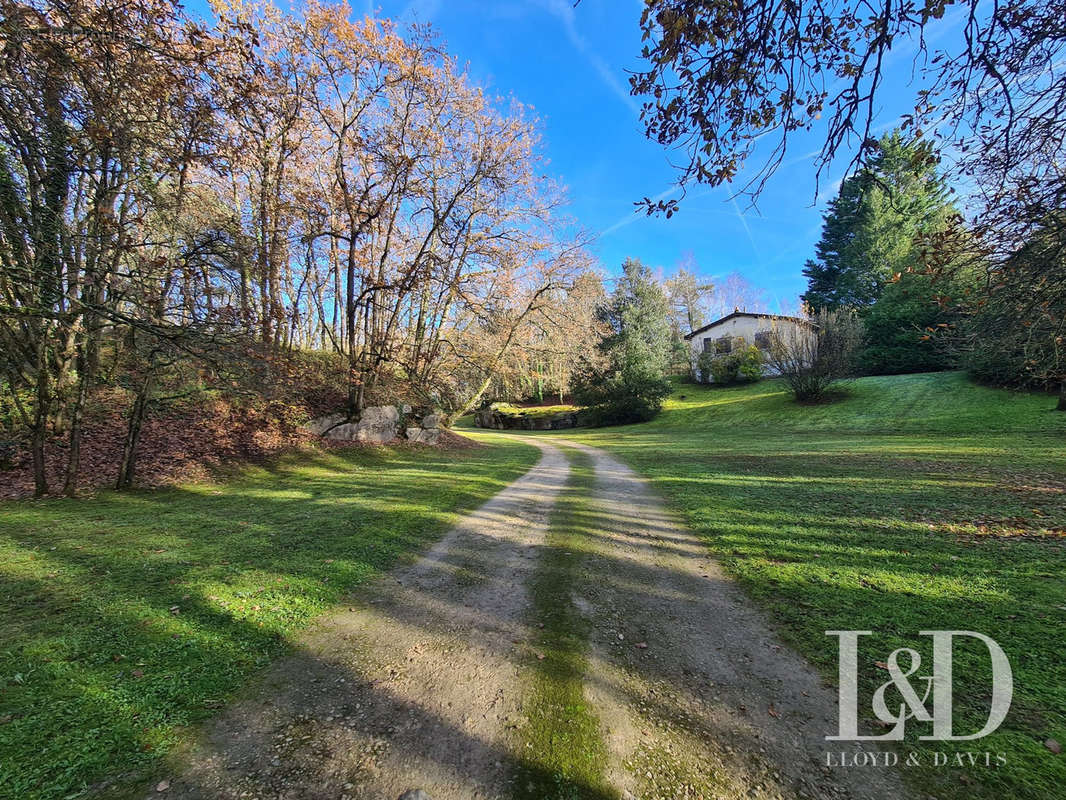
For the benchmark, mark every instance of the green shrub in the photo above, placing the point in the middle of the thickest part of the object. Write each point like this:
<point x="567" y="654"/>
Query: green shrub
<point x="625" y="380"/>
<point x="743" y="365"/>
<point x="725" y="369"/>
<point x="703" y="366"/>
<point x="751" y="364"/>
<point x="896" y="324"/>
<point x="622" y="398"/>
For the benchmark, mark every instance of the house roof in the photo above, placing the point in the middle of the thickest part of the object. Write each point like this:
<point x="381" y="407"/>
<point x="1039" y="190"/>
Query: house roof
<point x="728" y="317"/>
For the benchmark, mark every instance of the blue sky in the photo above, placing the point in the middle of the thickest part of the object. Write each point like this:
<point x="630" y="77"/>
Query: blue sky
<point x="570" y="65"/>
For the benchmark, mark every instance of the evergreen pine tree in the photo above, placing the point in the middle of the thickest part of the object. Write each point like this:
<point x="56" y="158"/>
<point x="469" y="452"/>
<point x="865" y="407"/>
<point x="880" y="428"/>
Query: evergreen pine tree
<point x="628" y="384"/>
<point x="830" y="275"/>
<point x="868" y="257"/>
<point x="870" y="229"/>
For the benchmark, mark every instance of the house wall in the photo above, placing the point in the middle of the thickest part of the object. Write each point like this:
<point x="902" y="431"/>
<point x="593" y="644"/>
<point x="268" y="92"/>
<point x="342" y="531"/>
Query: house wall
<point x="745" y="328"/>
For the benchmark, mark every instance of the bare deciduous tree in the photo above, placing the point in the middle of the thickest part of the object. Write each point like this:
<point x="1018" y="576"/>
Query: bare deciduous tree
<point x="813" y="358"/>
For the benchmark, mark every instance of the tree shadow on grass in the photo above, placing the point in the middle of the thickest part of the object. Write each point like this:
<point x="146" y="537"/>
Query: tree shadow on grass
<point x="129" y="614"/>
<point x="195" y="658"/>
<point x="826" y="552"/>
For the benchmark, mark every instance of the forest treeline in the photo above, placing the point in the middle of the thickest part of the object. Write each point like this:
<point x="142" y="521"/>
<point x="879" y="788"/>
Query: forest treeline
<point x="307" y="212"/>
<point x="186" y="206"/>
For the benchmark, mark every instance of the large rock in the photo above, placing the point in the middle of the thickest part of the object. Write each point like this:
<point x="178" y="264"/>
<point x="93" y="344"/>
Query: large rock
<point x="382" y="424"/>
<point x="343" y="433"/>
<point x="564" y="419"/>
<point x="501" y="420"/>
<point x="379" y="416"/>
<point x="423" y="435"/>
<point x="377" y="425"/>
<point x="321" y="425"/>
<point x="488" y="418"/>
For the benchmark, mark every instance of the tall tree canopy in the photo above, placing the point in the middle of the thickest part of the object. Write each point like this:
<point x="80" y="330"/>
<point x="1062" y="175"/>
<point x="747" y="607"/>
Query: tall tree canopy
<point x="626" y="382"/>
<point x="273" y="182"/>
<point x="875" y="226"/>
<point x="871" y="257"/>
<point x="638" y="317"/>
<point x="689" y="295"/>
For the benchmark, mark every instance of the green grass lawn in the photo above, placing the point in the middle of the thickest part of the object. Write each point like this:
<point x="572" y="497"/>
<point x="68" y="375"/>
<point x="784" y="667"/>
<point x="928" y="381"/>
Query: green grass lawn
<point x="916" y="503"/>
<point x="532" y="411"/>
<point x="125" y="617"/>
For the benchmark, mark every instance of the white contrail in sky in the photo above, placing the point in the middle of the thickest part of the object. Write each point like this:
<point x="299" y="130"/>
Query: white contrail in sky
<point x="564" y="12"/>
<point x="747" y="230"/>
<point x="636" y="214"/>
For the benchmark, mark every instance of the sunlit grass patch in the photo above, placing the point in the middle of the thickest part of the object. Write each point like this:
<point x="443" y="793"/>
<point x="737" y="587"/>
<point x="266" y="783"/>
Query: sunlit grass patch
<point x="918" y="502"/>
<point x="126" y="617"/>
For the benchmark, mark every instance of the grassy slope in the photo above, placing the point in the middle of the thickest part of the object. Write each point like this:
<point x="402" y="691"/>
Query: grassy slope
<point x="918" y="502"/>
<point x="933" y="402"/>
<point x="127" y="616"/>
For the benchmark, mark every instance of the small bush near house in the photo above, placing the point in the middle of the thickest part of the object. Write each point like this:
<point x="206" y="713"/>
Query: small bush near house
<point x="811" y="361"/>
<point x="743" y="365"/>
<point x="705" y="367"/>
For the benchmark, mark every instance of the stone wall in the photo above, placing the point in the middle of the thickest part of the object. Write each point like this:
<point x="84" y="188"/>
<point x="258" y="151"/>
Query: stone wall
<point x="380" y="425"/>
<point x="501" y="420"/>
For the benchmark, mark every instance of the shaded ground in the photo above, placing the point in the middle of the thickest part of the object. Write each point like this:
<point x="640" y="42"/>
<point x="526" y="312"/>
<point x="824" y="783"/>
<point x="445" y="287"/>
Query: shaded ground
<point x="699" y="698"/>
<point x="192" y="443"/>
<point x="423" y="683"/>
<point x="919" y="502"/>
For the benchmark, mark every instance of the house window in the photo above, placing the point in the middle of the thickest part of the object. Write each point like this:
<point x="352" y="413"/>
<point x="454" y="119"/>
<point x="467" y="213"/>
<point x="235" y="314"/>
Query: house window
<point x="708" y="345"/>
<point x="723" y="345"/>
<point x="764" y="340"/>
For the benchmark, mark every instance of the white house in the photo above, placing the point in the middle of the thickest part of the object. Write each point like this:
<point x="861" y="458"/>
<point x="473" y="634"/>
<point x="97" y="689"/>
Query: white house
<point x="741" y="329"/>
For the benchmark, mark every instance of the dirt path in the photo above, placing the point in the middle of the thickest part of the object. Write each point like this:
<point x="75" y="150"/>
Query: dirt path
<point x="420" y="684"/>
<point x="698" y="697"/>
<point x="413" y="688"/>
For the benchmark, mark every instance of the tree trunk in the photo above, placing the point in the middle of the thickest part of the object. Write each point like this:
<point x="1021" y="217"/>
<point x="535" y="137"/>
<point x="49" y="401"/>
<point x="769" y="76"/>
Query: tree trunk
<point x="128" y="467"/>
<point x="263" y="258"/>
<point x="335" y="269"/>
<point x="242" y="266"/>
<point x="70" y="481"/>
<point x="39" y="430"/>
<point x="355" y="386"/>
<point x="40" y="478"/>
<point x="1062" y="396"/>
<point x="469" y="404"/>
